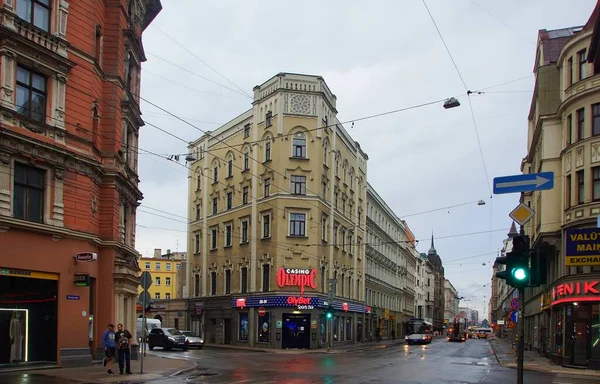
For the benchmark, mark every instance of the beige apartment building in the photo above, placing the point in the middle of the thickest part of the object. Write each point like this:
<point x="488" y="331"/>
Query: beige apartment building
<point x="277" y="202"/>
<point x="562" y="317"/>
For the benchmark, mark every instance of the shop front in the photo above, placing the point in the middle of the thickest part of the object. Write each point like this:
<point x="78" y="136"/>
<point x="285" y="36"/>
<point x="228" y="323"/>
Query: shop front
<point x="576" y="321"/>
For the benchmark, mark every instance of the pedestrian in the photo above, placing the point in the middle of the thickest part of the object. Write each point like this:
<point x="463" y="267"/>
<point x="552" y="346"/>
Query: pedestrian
<point x="123" y="337"/>
<point x="108" y="342"/>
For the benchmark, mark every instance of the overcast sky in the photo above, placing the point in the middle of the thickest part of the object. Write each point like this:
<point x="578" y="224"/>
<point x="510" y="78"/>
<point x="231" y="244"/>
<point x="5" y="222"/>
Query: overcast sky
<point x="378" y="57"/>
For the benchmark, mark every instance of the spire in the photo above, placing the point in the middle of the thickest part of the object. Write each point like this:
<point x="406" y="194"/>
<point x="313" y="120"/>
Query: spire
<point x="513" y="231"/>
<point x="432" y="250"/>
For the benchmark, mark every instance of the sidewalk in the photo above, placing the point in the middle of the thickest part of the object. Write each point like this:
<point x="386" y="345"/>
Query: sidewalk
<point x="154" y="368"/>
<point x="507" y="357"/>
<point x="337" y="348"/>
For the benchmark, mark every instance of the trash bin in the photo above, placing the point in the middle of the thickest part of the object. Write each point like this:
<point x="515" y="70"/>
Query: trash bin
<point x="135" y="351"/>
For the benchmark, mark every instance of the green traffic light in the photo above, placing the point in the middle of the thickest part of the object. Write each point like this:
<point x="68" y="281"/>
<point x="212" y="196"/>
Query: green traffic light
<point x="329" y="315"/>
<point x="519" y="273"/>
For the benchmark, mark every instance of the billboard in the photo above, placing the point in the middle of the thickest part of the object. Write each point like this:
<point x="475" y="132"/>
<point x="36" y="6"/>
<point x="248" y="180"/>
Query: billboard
<point x="582" y="247"/>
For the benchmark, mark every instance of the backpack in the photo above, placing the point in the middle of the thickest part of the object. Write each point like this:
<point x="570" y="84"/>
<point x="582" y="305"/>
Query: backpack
<point x="123" y="342"/>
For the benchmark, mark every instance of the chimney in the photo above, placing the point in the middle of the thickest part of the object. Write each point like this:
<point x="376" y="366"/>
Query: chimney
<point x="157" y="252"/>
<point x="168" y="251"/>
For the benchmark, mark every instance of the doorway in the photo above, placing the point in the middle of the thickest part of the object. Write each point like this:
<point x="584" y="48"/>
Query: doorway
<point x="227" y="331"/>
<point x="578" y="333"/>
<point x="296" y="331"/>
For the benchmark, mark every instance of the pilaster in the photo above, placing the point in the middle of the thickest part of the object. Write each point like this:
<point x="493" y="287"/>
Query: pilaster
<point x="5" y="176"/>
<point x="58" y="207"/>
<point x="7" y="99"/>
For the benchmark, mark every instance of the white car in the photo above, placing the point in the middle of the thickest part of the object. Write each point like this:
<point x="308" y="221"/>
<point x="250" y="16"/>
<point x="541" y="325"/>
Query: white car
<point x="194" y="341"/>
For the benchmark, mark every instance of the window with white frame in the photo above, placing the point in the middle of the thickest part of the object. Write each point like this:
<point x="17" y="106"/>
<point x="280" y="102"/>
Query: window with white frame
<point x="157" y="281"/>
<point x="147" y="265"/>
<point x="157" y="296"/>
<point x="168" y="296"/>
<point x="299" y="145"/>
<point x="157" y="266"/>
<point x="167" y="281"/>
<point x="297" y="224"/>
<point x="168" y="266"/>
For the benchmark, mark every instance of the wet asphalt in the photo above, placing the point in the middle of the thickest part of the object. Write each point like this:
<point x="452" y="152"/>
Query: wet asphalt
<point x="441" y="362"/>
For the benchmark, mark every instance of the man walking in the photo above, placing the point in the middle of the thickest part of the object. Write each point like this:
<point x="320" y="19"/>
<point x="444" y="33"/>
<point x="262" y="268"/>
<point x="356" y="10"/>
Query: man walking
<point x="123" y="338"/>
<point x="108" y="342"/>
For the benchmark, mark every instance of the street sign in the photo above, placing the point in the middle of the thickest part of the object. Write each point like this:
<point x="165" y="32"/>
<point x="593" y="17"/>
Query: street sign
<point x="521" y="214"/>
<point x="144" y="298"/>
<point x="500" y="322"/>
<point x="511" y="324"/>
<point x="146" y="280"/>
<point x="261" y="311"/>
<point x="524" y="183"/>
<point x="86" y="257"/>
<point x="514" y="316"/>
<point x="514" y="303"/>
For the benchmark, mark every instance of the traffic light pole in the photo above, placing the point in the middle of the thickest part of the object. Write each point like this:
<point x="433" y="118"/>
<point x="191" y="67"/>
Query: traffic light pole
<point x="521" y="335"/>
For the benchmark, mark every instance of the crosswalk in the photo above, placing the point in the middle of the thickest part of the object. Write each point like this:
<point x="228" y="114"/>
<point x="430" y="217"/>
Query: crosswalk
<point x="568" y="379"/>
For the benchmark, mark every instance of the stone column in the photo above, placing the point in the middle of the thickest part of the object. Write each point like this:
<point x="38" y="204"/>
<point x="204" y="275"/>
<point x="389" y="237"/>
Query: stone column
<point x="5" y="188"/>
<point x="58" y="206"/>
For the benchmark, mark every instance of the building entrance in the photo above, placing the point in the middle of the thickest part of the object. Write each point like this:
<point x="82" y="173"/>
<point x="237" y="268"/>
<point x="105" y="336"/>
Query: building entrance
<point x="296" y="331"/>
<point x="28" y="316"/>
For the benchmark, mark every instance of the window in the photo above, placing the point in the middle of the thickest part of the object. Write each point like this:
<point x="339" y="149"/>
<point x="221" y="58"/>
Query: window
<point x="324" y="190"/>
<point x="229" y="200"/>
<point x="197" y="211"/>
<point x="168" y="281"/>
<point x="298" y="185"/>
<point x="266" y="277"/>
<point x="213" y="283"/>
<point x="215" y="205"/>
<point x="230" y="167"/>
<point x="168" y="266"/>
<point x="157" y="280"/>
<point x="31" y="94"/>
<point x="157" y="296"/>
<point x="570" y="68"/>
<point x="595" y="119"/>
<point x="299" y="146"/>
<point x="246" y="131"/>
<point x="36" y="12"/>
<point x="98" y="45"/>
<point x="582" y="60"/>
<point x="157" y="266"/>
<point x="325" y="149"/>
<point x="213" y="238"/>
<point x="228" y="235"/>
<point x="569" y="129"/>
<point x="596" y="183"/>
<point x="266" y="225"/>
<point x="580" y="123"/>
<point x="245" y="195"/>
<point x="297" y="224"/>
<point x="245" y="231"/>
<point x="147" y="265"/>
<point x="197" y="285"/>
<point x="215" y="174"/>
<point x="197" y="243"/>
<point x="323" y="279"/>
<point x="28" y="193"/>
<point x="580" y="187"/>
<point x="244" y="280"/>
<point x="343" y="238"/>
<point x="343" y="205"/>
<point x="228" y="281"/>
<point x="246" y="160"/>
<point x="267" y="187"/>
<point x="268" y="119"/>
<point x="335" y="235"/>
<point x="324" y="228"/>
<point x="198" y="182"/>
<point x="168" y="297"/>
<point x="335" y="200"/>
<point x="268" y="150"/>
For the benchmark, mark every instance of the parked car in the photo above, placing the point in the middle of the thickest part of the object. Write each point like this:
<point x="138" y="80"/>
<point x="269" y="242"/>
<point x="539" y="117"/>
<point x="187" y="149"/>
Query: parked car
<point x="194" y="341"/>
<point x="167" y="338"/>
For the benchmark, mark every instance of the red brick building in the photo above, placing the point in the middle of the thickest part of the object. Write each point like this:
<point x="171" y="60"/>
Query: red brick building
<point x="69" y="121"/>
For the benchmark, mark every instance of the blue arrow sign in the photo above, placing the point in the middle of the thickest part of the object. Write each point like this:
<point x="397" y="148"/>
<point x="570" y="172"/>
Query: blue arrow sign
<point x="524" y="183"/>
<point x="514" y="316"/>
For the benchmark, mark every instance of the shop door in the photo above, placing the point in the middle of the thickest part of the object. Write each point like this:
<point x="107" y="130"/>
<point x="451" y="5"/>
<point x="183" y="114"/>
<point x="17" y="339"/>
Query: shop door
<point x="578" y="333"/>
<point x="296" y="331"/>
<point x="227" y="331"/>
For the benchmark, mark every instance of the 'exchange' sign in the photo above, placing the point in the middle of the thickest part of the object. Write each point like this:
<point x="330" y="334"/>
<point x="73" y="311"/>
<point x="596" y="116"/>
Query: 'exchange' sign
<point x="582" y="247"/>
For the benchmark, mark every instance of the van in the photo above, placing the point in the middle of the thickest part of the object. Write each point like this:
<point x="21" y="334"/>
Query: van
<point x="484" y="333"/>
<point x="150" y="324"/>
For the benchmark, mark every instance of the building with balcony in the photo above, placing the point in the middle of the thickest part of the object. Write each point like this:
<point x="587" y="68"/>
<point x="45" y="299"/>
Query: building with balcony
<point x="277" y="198"/>
<point x="561" y="317"/>
<point x="69" y="127"/>
<point x="390" y="288"/>
<point x="164" y="269"/>
<point x="451" y="302"/>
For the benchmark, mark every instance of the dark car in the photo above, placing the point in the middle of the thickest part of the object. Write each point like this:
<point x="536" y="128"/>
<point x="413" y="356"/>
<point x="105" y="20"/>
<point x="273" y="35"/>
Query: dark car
<point x="167" y="338"/>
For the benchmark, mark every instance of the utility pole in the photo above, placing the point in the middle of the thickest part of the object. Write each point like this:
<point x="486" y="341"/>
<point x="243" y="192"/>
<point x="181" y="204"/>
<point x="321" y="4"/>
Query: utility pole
<point x="330" y="296"/>
<point x="521" y="326"/>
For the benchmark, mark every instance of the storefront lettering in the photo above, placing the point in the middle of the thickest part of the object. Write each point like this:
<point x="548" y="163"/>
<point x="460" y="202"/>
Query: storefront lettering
<point x="297" y="277"/>
<point x="575" y="290"/>
<point x="240" y="303"/>
<point x="298" y="300"/>
<point x="306" y="307"/>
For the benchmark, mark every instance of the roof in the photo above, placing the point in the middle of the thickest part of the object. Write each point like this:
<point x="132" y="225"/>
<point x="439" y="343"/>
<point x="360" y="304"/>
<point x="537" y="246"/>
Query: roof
<point x="552" y="42"/>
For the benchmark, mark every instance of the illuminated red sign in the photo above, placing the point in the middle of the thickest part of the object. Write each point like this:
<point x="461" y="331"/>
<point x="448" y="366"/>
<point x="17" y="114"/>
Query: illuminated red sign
<point x="240" y="303"/>
<point x="298" y="300"/>
<point x="345" y="307"/>
<point x="576" y="291"/>
<point x="291" y="277"/>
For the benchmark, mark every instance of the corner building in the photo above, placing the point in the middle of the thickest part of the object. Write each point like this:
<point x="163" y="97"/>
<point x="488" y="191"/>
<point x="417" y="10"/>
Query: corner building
<point x="277" y="206"/>
<point x="562" y="318"/>
<point x="69" y="125"/>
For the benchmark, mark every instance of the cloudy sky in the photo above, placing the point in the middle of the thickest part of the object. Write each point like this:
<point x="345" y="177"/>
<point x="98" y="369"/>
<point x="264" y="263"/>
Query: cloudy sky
<point x="378" y="57"/>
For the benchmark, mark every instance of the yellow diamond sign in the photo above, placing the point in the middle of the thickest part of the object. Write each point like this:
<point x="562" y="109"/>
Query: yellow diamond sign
<point x="522" y="214"/>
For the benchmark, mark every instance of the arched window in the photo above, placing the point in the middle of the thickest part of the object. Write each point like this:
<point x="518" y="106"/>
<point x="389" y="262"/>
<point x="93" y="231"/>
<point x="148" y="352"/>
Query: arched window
<point x="246" y="159"/>
<point x="299" y="145"/>
<point x="268" y="149"/>
<point x="215" y="173"/>
<point x="230" y="166"/>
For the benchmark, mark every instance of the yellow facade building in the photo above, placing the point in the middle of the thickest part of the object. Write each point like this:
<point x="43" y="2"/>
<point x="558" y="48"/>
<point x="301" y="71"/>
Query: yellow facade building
<point x="163" y="268"/>
<point x="277" y="202"/>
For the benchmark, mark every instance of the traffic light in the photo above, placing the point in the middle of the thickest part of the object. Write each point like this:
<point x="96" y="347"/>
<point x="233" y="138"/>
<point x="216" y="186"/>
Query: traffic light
<point x="329" y="313"/>
<point x="517" y="271"/>
<point x="537" y="268"/>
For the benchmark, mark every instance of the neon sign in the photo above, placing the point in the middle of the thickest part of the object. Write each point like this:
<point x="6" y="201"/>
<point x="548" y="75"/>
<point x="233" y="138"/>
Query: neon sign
<point x="576" y="291"/>
<point x="290" y="277"/>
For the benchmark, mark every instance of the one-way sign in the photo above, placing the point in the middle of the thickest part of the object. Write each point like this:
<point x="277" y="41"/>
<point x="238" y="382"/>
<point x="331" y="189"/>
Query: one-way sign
<point x="524" y="183"/>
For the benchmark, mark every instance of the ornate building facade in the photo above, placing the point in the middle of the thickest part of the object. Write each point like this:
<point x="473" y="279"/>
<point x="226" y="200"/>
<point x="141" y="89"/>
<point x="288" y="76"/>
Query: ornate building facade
<point x="69" y="126"/>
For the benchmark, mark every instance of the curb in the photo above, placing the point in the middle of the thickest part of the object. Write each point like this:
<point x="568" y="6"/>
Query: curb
<point x="496" y="355"/>
<point x="192" y="367"/>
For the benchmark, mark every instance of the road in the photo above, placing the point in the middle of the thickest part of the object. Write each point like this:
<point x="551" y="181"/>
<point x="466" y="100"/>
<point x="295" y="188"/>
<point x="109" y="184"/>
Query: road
<point x="441" y="362"/>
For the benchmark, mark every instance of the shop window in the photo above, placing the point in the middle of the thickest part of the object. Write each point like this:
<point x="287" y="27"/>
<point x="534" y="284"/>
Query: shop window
<point x="595" y="332"/>
<point x="243" y="327"/>
<point x="264" y="328"/>
<point x="558" y="333"/>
